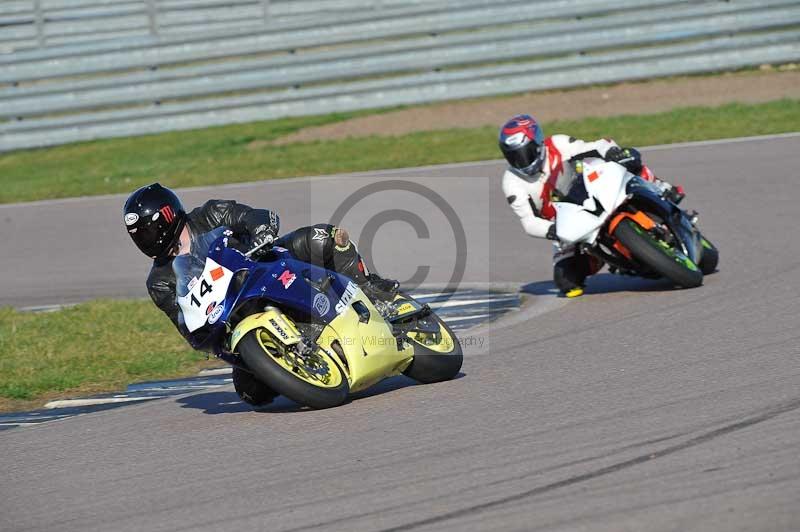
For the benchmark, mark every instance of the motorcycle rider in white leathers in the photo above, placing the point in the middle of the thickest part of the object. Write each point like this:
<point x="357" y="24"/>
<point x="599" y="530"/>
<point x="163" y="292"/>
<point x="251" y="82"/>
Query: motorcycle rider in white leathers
<point x="542" y="170"/>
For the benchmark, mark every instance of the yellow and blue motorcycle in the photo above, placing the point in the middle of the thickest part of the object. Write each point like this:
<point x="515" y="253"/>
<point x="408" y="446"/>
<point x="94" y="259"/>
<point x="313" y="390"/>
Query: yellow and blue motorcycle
<point x="305" y="332"/>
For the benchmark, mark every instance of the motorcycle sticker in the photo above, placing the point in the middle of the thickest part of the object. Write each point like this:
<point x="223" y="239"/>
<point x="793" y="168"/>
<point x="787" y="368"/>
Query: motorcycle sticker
<point x="322" y="304"/>
<point x="216" y="313"/>
<point x="347" y="297"/>
<point x="217" y="273"/>
<point x="279" y="329"/>
<point x="131" y="218"/>
<point x="287" y="278"/>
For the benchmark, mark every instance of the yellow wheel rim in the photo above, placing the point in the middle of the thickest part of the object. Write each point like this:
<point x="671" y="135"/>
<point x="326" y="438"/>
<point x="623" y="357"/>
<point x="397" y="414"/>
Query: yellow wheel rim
<point x="440" y="342"/>
<point x="318" y="370"/>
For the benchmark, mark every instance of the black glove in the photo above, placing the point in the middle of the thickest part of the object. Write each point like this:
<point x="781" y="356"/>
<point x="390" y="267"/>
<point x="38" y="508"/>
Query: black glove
<point x="630" y="158"/>
<point x="266" y="233"/>
<point x="675" y="194"/>
<point x="551" y="233"/>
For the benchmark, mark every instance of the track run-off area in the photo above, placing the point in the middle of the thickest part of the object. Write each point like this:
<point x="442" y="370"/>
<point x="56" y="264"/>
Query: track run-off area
<point x="635" y="407"/>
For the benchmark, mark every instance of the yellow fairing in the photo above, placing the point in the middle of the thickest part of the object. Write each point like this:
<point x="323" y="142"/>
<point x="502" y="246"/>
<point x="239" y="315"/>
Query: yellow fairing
<point x="370" y="349"/>
<point x="272" y="320"/>
<point x="440" y="342"/>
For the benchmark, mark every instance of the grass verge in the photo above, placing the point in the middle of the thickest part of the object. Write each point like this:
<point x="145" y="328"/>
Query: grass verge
<point x="245" y="152"/>
<point x="94" y="347"/>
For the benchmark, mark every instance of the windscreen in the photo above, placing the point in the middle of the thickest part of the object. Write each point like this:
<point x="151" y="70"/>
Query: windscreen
<point x="189" y="266"/>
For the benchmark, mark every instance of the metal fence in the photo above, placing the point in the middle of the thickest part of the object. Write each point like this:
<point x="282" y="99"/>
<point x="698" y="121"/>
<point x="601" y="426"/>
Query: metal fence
<point x="302" y="57"/>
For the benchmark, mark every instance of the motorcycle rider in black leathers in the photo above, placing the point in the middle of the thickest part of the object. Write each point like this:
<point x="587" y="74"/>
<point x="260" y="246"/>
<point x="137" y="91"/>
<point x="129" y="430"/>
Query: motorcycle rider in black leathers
<point x="160" y="227"/>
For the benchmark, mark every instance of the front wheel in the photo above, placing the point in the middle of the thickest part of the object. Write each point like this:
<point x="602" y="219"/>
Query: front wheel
<point x="437" y="356"/>
<point x="658" y="255"/>
<point x="314" y="380"/>
<point x="710" y="258"/>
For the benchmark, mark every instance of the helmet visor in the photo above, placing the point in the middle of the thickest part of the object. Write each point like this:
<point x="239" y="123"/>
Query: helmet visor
<point x="527" y="158"/>
<point x="153" y="239"/>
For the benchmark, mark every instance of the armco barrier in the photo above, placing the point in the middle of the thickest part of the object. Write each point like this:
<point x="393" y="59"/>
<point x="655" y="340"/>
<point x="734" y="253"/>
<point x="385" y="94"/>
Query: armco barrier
<point x="393" y="54"/>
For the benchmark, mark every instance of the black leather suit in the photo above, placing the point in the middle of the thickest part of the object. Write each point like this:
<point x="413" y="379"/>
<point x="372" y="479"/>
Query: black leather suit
<point x="314" y="244"/>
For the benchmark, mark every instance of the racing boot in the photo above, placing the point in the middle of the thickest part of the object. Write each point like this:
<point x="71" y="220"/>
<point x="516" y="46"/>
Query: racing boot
<point x="570" y="273"/>
<point x="379" y="288"/>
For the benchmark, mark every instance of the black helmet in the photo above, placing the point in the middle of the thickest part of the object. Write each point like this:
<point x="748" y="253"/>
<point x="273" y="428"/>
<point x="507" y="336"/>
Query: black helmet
<point x="154" y="217"/>
<point x="521" y="140"/>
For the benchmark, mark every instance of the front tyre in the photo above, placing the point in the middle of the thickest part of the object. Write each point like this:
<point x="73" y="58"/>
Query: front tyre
<point x="658" y="255"/>
<point x="710" y="258"/>
<point x="283" y="374"/>
<point x="437" y="356"/>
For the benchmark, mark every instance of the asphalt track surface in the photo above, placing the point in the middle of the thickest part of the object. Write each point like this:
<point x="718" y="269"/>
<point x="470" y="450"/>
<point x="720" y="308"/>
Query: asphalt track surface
<point x="637" y="407"/>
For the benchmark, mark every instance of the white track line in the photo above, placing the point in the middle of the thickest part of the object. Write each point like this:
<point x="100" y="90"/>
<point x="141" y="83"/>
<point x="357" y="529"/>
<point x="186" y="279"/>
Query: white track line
<point x="218" y="371"/>
<point x="98" y="401"/>
<point x="462" y="318"/>
<point x="716" y="142"/>
<point x="468" y="302"/>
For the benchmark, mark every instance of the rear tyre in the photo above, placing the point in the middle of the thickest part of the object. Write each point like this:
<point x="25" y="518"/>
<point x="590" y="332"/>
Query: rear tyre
<point x="437" y="357"/>
<point x="659" y="256"/>
<point x="710" y="258"/>
<point x="251" y="390"/>
<point x="272" y="369"/>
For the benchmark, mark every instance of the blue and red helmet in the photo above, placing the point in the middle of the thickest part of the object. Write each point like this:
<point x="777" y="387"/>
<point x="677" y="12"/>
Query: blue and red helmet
<point x="521" y="141"/>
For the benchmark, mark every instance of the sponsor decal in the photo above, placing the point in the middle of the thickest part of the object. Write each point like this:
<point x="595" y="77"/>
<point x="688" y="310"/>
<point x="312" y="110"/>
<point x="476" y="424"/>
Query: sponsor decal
<point x="322" y="304"/>
<point x="156" y="216"/>
<point x="593" y="177"/>
<point x="210" y="308"/>
<point x="320" y="234"/>
<point x="168" y="213"/>
<point x="347" y="297"/>
<point x="131" y="218"/>
<point x="216" y="313"/>
<point x="287" y="278"/>
<point x="192" y="283"/>
<point x="278" y="328"/>
<point x="217" y="273"/>
<point x="405" y="308"/>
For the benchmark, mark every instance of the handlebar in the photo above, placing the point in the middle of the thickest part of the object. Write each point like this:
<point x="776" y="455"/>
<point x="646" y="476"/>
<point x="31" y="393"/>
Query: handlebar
<point x="264" y="244"/>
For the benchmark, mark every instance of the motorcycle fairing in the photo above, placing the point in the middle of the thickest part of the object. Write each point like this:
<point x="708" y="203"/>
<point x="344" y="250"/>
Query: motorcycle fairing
<point x="370" y="351"/>
<point x="605" y="185"/>
<point x="265" y="281"/>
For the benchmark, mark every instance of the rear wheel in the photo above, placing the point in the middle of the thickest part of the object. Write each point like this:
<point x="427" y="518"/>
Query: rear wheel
<point x="658" y="255"/>
<point x="710" y="258"/>
<point x="314" y="380"/>
<point x="437" y="355"/>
